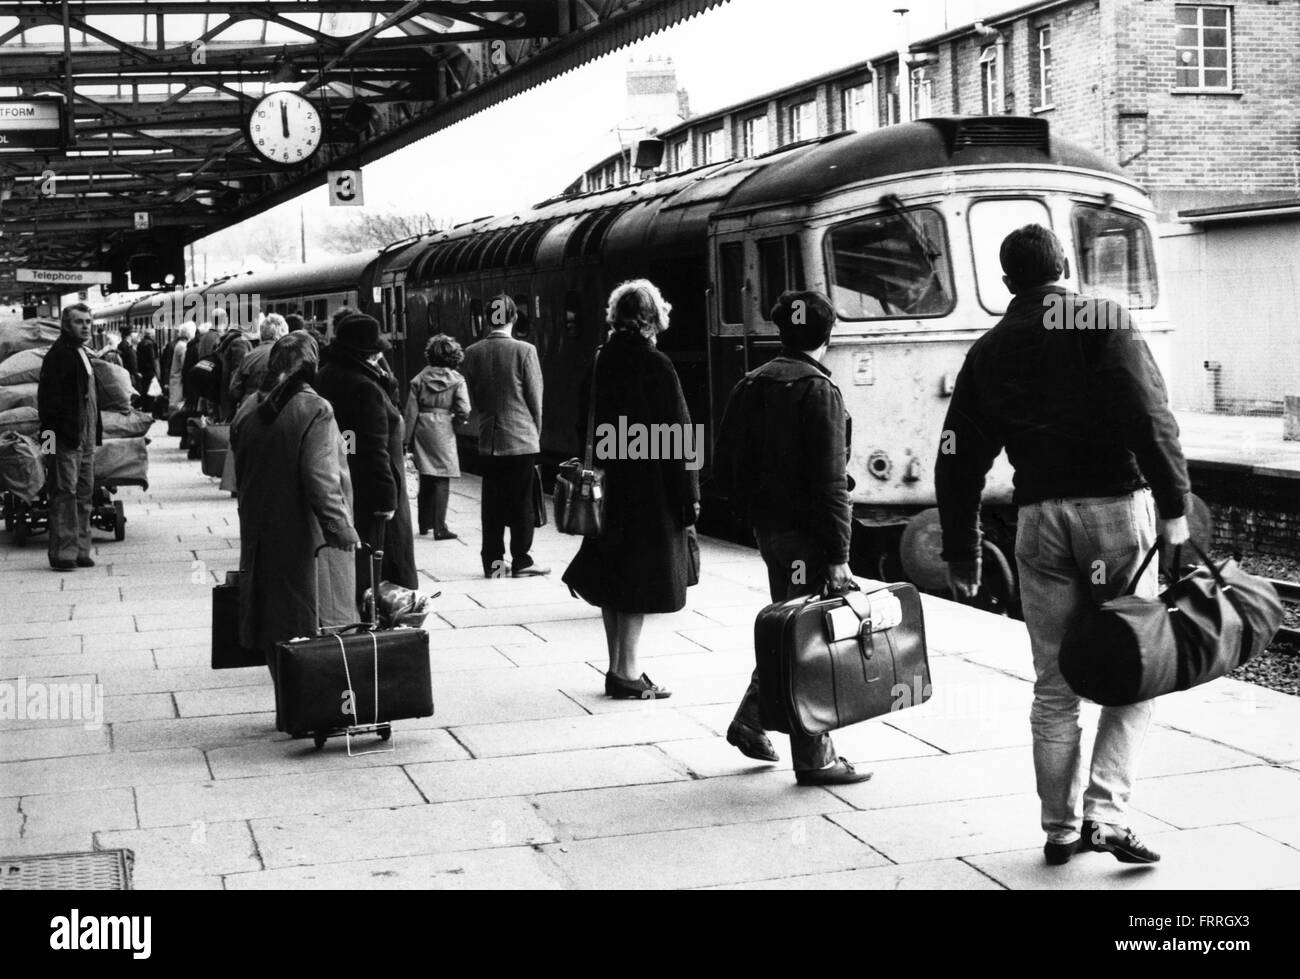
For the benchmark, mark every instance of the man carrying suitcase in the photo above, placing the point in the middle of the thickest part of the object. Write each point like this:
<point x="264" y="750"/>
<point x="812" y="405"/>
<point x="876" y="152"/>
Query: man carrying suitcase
<point x="1083" y="416"/>
<point x="780" y="459"/>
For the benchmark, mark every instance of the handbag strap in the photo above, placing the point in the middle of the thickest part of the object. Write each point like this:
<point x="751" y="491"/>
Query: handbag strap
<point x="589" y="451"/>
<point x="1155" y="549"/>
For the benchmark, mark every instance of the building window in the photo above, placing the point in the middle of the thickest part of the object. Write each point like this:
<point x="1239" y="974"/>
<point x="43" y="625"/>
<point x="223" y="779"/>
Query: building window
<point x="753" y="134"/>
<point x="989" y="80"/>
<point x="1203" y="47"/>
<point x="1044" y="67"/>
<point x="711" y="146"/>
<point x="922" y="93"/>
<point x="891" y="96"/>
<point x="855" y="103"/>
<point x="802" y="121"/>
<point x="610" y="178"/>
<point x="679" y="155"/>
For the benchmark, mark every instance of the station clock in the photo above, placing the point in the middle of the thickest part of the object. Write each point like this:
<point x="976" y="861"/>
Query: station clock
<point x="285" y="128"/>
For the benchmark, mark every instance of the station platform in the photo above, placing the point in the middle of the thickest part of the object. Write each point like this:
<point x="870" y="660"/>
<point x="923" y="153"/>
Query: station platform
<point x="528" y="777"/>
<point x="1238" y="443"/>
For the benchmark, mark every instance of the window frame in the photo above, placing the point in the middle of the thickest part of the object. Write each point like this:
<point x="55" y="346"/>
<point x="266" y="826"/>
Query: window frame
<point x="1045" y="95"/>
<point x="990" y="64"/>
<point x="706" y="143"/>
<point x="728" y="248"/>
<point x="922" y="93"/>
<point x="970" y="237"/>
<point x="794" y="112"/>
<point x="792" y="270"/>
<point x="748" y="128"/>
<point x="1200" y="68"/>
<point x="828" y="256"/>
<point x="1076" y="206"/>
<point x="848" y="115"/>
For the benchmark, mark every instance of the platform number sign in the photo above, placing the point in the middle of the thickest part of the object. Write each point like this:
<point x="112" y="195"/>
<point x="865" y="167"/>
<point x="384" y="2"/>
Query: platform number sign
<point x="345" y="188"/>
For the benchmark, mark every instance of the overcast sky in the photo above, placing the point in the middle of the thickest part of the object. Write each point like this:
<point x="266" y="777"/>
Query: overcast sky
<point x="530" y="147"/>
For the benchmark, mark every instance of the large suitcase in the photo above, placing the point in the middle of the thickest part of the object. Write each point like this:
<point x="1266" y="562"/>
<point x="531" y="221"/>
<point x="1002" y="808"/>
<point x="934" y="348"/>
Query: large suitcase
<point x="227" y="653"/>
<point x="216" y="443"/>
<point x="176" y="422"/>
<point x="828" y="661"/>
<point x="354" y="681"/>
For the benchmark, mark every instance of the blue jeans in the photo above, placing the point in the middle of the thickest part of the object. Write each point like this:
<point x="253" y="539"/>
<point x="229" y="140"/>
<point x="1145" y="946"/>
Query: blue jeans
<point x="796" y="566"/>
<point x="1070" y="553"/>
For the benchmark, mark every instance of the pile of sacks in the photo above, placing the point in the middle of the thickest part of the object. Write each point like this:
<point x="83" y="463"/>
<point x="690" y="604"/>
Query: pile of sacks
<point x="22" y="352"/>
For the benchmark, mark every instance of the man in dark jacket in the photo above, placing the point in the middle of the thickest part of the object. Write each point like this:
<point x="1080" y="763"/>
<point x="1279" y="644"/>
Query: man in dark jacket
<point x="505" y="388"/>
<point x="69" y="417"/>
<point x="780" y="459"/>
<point x="373" y="436"/>
<point x="146" y="358"/>
<point x="1068" y="387"/>
<point x="232" y="350"/>
<point x="126" y="350"/>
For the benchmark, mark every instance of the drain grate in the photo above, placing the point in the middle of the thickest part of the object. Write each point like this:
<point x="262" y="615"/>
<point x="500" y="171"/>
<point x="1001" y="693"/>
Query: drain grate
<point x="99" y="870"/>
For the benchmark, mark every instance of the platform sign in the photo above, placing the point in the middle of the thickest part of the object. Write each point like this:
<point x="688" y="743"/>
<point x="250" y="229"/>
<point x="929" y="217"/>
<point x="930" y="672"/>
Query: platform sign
<point x="62" y="277"/>
<point x="27" y="124"/>
<point x="345" y="188"/>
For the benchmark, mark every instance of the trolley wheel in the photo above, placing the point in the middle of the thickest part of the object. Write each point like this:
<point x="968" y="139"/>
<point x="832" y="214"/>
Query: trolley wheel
<point x="119" y="520"/>
<point x="385" y="732"/>
<point x="320" y="738"/>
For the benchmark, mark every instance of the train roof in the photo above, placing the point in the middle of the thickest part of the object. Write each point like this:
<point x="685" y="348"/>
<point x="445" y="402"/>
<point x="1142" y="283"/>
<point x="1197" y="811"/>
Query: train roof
<point x="928" y="144"/>
<point x="341" y="271"/>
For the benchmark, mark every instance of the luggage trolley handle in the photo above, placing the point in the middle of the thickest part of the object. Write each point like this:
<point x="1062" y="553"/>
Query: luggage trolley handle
<point x="376" y="560"/>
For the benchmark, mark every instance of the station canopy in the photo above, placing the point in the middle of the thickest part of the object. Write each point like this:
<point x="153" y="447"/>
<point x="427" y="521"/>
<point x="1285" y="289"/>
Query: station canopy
<point x="122" y="122"/>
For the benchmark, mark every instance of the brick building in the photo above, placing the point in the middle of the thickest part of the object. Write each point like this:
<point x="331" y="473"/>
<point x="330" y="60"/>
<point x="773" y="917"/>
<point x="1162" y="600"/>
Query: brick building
<point x="1196" y="100"/>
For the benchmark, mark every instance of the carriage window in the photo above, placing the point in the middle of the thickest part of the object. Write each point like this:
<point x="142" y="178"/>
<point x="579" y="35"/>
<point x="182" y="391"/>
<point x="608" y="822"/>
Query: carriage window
<point x="780" y="264"/>
<point x="1115" y="260"/>
<point x="990" y="222"/>
<point x="891" y="265"/>
<point x="731" y="263"/>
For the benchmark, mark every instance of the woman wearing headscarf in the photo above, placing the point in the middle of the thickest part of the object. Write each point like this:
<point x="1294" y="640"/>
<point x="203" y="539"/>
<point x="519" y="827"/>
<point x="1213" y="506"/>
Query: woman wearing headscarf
<point x="364" y="397"/>
<point x="438" y="396"/>
<point x="640" y="564"/>
<point x="295" y="494"/>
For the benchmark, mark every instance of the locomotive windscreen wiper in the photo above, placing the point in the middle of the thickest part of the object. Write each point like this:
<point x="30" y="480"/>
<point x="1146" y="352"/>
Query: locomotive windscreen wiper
<point x="919" y="237"/>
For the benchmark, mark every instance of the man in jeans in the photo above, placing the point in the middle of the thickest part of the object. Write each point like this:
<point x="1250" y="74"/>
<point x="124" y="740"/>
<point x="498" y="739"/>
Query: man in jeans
<point x="780" y="459"/>
<point x="504" y="379"/>
<point x="1083" y="416"/>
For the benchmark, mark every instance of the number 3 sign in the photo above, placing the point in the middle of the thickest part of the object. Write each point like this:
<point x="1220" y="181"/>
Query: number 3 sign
<point x="345" y="188"/>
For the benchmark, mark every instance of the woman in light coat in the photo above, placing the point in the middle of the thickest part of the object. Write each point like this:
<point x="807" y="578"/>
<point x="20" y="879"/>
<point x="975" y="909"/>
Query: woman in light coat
<point x="438" y="396"/>
<point x="175" y="381"/>
<point x="295" y="494"/>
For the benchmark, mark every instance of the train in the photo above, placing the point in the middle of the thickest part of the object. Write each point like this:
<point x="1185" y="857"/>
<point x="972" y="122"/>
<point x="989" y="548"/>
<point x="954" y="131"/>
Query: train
<point x="899" y="226"/>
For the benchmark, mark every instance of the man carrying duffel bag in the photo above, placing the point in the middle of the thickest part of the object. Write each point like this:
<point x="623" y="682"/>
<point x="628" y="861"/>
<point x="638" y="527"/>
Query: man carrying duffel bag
<point x="1084" y="419"/>
<point x="780" y="460"/>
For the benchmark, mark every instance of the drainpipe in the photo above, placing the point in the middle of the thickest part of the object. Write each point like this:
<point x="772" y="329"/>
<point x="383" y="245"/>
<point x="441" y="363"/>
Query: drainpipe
<point x="904" y="72"/>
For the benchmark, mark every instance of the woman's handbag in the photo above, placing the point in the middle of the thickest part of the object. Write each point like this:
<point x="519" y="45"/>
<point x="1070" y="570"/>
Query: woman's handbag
<point x="1203" y="626"/>
<point x="579" y="486"/>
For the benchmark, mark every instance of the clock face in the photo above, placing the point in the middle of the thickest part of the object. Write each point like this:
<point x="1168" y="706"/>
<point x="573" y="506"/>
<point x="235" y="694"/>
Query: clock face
<point x="285" y="128"/>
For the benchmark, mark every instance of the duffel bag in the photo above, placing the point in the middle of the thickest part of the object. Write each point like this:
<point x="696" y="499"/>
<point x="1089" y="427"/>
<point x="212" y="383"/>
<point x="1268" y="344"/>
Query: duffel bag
<point x="22" y="467"/>
<point x="827" y="661"/>
<point x="1203" y="626"/>
<point x="122" y="461"/>
<point x="129" y="424"/>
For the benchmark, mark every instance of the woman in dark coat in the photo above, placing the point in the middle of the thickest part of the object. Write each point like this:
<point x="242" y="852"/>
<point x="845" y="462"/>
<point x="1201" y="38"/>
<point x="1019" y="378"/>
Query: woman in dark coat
<point x="294" y="495"/>
<point x="365" y="404"/>
<point x="640" y="563"/>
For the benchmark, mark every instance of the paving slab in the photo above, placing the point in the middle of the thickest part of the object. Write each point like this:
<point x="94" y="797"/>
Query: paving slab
<point x="53" y="741"/>
<point x="65" y="813"/>
<point x="933" y="875"/>
<point x="1218" y="858"/>
<point x="713" y="855"/>
<point x="407" y="831"/>
<point x="41" y="845"/>
<point x="1238" y="714"/>
<point x="410" y="747"/>
<point x="273" y="795"/>
<point x="196" y="849"/>
<point x="1285" y="829"/>
<point x="570" y="733"/>
<point x="197" y="732"/>
<point x="1229" y="796"/>
<point x="513" y="868"/>
<point x="73" y="663"/>
<point x="151" y="882"/>
<point x="125" y="682"/>
<point x="106" y="771"/>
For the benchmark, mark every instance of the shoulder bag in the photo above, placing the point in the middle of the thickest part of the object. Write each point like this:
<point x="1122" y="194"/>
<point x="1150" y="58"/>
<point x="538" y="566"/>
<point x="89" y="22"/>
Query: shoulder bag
<point x="579" y="486"/>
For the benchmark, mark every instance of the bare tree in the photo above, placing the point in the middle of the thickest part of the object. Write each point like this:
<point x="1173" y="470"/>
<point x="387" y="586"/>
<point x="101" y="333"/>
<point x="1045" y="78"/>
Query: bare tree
<point x="374" y="230"/>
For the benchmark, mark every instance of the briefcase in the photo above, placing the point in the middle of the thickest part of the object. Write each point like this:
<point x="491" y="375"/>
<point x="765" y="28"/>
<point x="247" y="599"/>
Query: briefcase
<point x="1203" y="626"/>
<point x="227" y="653"/>
<point x="352" y="681"/>
<point x="828" y="661"/>
<point x="216" y="443"/>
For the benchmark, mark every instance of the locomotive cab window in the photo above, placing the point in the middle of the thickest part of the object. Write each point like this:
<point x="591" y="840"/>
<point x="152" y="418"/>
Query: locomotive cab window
<point x="780" y="267"/>
<point x="1114" y="256"/>
<point x="990" y="222"/>
<point x="890" y="265"/>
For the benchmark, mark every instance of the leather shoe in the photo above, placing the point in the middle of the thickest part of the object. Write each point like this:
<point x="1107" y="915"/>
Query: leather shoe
<point x="752" y="744"/>
<point x="63" y="565"/>
<point x="1057" y="854"/>
<point x="1119" y="841"/>
<point x="841" y="773"/>
<point x="85" y="562"/>
<point x="530" y="571"/>
<point x="640" y="689"/>
<point x="444" y="535"/>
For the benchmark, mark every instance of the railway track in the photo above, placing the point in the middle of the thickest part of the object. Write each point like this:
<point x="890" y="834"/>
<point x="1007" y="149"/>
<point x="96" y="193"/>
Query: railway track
<point x="1289" y="592"/>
